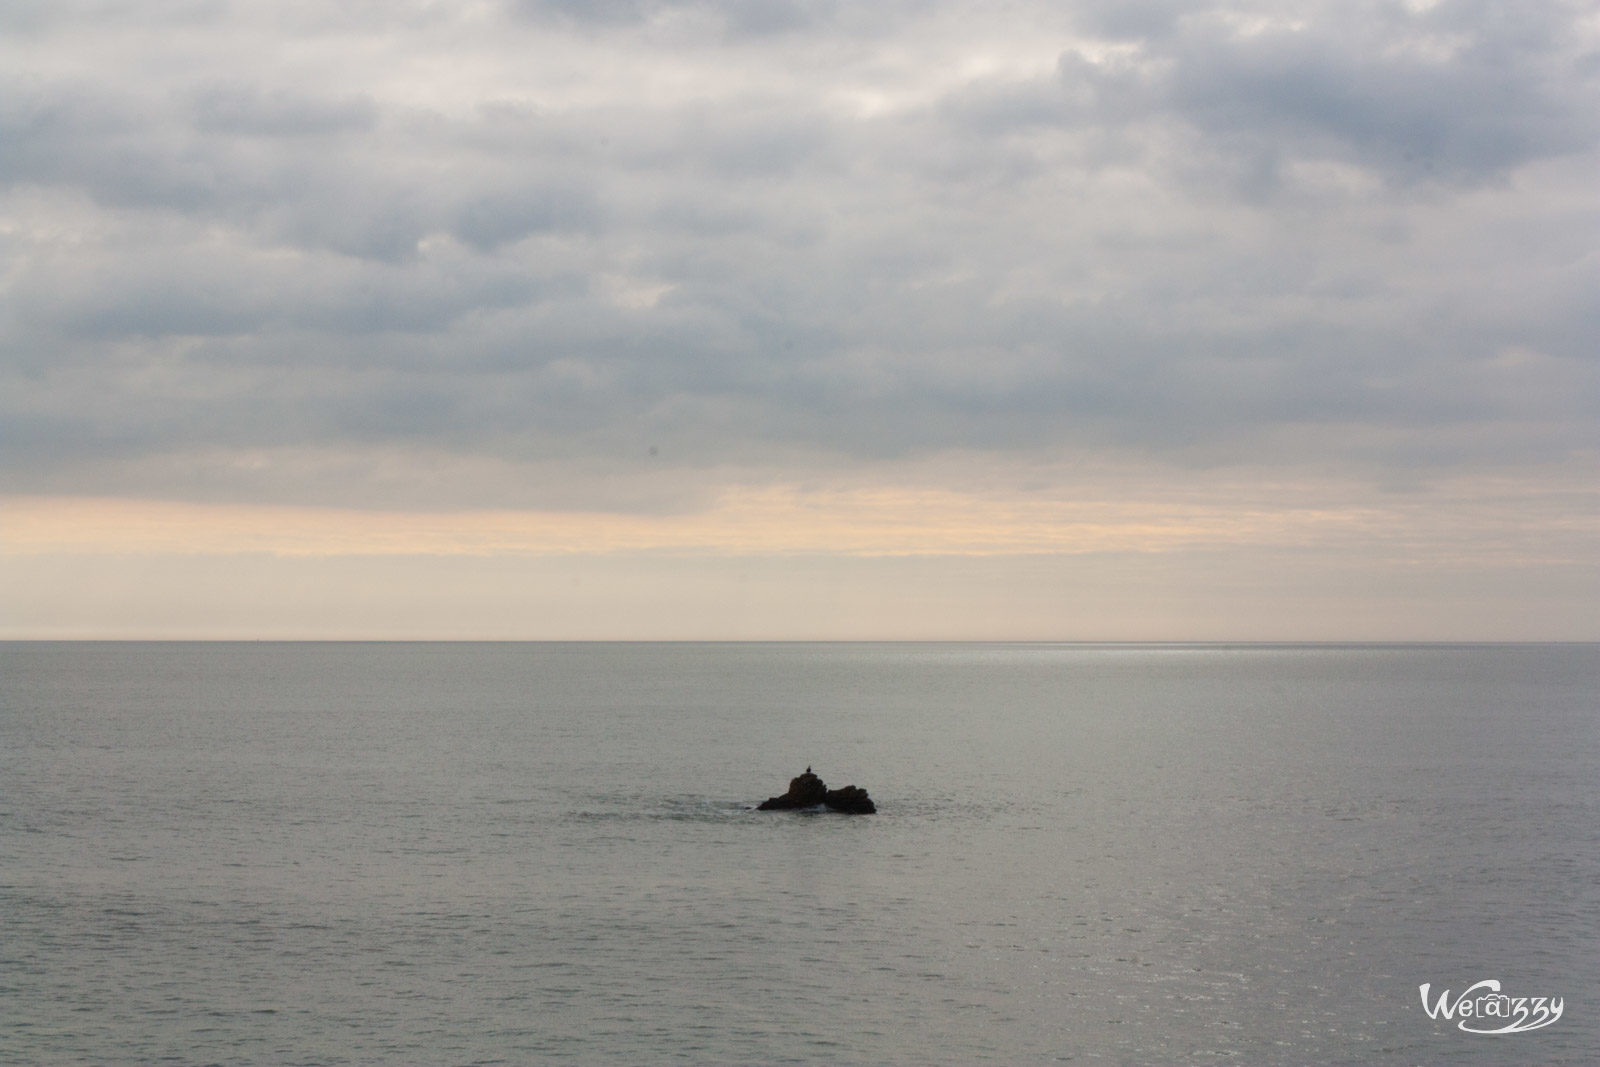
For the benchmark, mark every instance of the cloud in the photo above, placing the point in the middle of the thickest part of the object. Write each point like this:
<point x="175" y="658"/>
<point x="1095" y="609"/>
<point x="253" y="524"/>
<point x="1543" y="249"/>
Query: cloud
<point x="491" y="220"/>
<point x="1417" y="99"/>
<point x="1456" y="94"/>
<point x="253" y="252"/>
<point x="736" y="18"/>
<point x="224" y="110"/>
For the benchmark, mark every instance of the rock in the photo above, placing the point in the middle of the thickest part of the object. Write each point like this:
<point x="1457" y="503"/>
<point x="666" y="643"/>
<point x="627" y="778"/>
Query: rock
<point x="808" y="791"/>
<point x="852" y="800"/>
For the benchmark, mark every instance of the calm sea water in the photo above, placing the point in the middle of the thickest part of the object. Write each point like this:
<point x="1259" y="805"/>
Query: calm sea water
<point x="524" y="853"/>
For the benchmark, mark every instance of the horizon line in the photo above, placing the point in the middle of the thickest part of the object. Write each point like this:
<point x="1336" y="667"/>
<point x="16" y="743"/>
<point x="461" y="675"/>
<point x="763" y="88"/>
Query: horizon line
<point x="1084" y="642"/>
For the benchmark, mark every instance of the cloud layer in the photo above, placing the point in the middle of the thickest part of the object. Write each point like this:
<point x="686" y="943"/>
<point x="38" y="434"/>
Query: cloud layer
<point x="617" y="255"/>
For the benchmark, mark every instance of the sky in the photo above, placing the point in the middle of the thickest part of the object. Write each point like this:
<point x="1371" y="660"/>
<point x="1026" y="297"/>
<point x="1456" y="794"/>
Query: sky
<point x="800" y="319"/>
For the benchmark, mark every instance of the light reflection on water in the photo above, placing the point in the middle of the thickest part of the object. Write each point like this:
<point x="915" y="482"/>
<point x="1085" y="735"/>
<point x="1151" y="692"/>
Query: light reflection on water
<point x="479" y="853"/>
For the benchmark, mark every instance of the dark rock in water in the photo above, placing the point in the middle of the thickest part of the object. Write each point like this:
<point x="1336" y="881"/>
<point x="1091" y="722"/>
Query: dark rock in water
<point x="851" y="799"/>
<point x="805" y="791"/>
<point x="808" y="791"/>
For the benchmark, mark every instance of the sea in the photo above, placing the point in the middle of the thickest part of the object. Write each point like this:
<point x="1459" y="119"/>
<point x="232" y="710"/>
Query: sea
<point x="461" y="853"/>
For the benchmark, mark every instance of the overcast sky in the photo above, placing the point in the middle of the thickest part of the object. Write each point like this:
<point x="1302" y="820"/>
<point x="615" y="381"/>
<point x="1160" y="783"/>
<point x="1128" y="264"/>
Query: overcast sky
<point x="1117" y="318"/>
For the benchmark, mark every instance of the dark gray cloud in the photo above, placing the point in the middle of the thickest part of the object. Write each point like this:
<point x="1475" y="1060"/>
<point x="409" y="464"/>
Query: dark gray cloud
<point x="737" y="18"/>
<point x="797" y="237"/>
<point x="1458" y="94"/>
<point x="224" y="110"/>
<point x="495" y="219"/>
<point x="1409" y="115"/>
